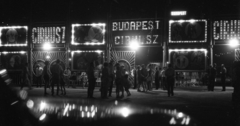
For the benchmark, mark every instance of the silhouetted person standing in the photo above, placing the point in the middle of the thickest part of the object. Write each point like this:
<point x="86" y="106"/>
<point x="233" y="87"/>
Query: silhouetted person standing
<point x="105" y="80"/>
<point x="57" y="72"/>
<point x="223" y="73"/>
<point x="212" y="76"/>
<point x="91" y="79"/>
<point x="25" y="76"/>
<point x="39" y="71"/>
<point x="111" y="77"/>
<point x="157" y="78"/>
<point x="118" y="80"/>
<point x="170" y="79"/>
<point x="46" y="77"/>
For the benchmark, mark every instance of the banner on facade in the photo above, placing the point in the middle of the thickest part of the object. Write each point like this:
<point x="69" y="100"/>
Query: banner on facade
<point x="88" y="34"/>
<point x="82" y="59"/>
<point x="48" y="34"/>
<point x="13" y="36"/>
<point x="146" y="32"/>
<point x="188" y="60"/>
<point x="187" y="31"/>
<point x="13" y="61"/>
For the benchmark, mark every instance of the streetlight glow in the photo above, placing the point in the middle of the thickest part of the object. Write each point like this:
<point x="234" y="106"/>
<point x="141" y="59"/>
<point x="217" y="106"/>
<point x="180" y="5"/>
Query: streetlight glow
<point x="134" y="44"/>
<point x="233" y="42"/>
<point x="47" y="46"/>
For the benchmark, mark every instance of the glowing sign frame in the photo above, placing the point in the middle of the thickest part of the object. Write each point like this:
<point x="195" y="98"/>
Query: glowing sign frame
<point x="85" y="51"/>
<point x="13" y="52"/>
<point x="188" y="50"/>
<point x="10" y="45"/>
<point x="88" y="43"/>
<point x="191" y="21"/>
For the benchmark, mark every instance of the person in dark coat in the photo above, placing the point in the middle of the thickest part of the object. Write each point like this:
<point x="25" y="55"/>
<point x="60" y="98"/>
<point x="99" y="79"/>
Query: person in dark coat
<point x="25" y="76"/>
<point x="212" y="76"/>
<point x="157" y="78"/>
<point x="91" y="79"/>
<point x="57" y="72"/>
<point x="223" y="74"/>
<point x="105" y="81"/>
<point x="111" y="77"/>
<point x="46" y="77"/>
<point x="118" y="80"/>
<point x="170" y="74"/>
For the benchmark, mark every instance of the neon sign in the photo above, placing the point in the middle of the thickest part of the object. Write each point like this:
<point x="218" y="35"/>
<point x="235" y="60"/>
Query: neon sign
<point x="13" y="36"/>
<point x="48" y="34"/>
<point x="88" y="34"/>
<point x="187" y="31"/>
<point x="178" y="13"/>
<point x="188" y="59"/>
<point x="82" y="58"/>
<point x="145" y="32"/>
<point x="226" y="29"/>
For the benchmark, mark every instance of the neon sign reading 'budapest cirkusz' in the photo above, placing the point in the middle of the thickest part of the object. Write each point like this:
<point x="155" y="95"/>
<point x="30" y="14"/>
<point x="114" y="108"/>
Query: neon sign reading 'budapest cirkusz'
<point x="146" y="32"/>
<point x="226" y="29"/>
<point x="48" y="34"/>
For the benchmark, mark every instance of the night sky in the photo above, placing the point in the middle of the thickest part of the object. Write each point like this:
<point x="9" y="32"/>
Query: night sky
<point x="24" y="11"/>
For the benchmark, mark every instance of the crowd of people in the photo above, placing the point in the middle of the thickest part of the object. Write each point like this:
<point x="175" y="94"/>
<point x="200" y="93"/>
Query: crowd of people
<point x="212" y="75"/>
<point x="114" y="74"/>
<point x="110" y="75"/>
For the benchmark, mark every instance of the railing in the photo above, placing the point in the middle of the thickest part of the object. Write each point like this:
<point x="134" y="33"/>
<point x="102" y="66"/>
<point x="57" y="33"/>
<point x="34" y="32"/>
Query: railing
<point x="16" y="76"/>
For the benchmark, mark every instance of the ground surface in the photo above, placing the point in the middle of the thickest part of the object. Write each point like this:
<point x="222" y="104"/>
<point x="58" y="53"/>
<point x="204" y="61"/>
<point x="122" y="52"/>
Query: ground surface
<point x="208" y="108"/>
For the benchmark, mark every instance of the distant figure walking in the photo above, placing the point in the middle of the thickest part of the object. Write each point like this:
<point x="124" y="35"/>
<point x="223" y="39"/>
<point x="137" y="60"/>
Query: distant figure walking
<point x="212" y="76"/>
<point x="46" y="77"/>
<point x="118" y="80"/>
<point x="105" y="81"/>
<point x="25" y="75"/>
<point x="39" y="71"/>
<point x="57" y="72"/>
<point x="139" y="78"/>
<point x="223" y="74"/>
<point x="67" y="75"/>
<point x="144" y="74"/>
<point x="170" y="73"/>
<point x="91" y="79"/>
<point x="111" y="77"/>
<point x="157" y="78"/>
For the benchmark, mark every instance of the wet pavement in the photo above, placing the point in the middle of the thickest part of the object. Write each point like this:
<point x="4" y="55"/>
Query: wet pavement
<point x="206" y="108"/>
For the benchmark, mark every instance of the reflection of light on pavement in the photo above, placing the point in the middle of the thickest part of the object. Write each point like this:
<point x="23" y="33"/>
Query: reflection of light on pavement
<point x="125" y="112"/>
<point x="92" y="108"/>
<point x="42" y="105"/>
<point x="23" y="94"/>
<point x="30" y="103"/>
<point x="14" y="102"/>
<point x="65" y="110"/>
<point x="42" y="117"/>
<point x="172" y="121"/>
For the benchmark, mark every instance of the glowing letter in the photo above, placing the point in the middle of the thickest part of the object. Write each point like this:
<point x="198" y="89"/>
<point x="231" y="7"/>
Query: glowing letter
<point x="132" y="25"/>
<point x="138" y="24"/>
<point x="150" y="23"/>
<point x="157" y="24"/>
<point x="144" y="26"/>
<point x="114" y="26"/>
<point x="34" y="39"/>
<point x="58" y="39"/>
<point x="117" y="40"/>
